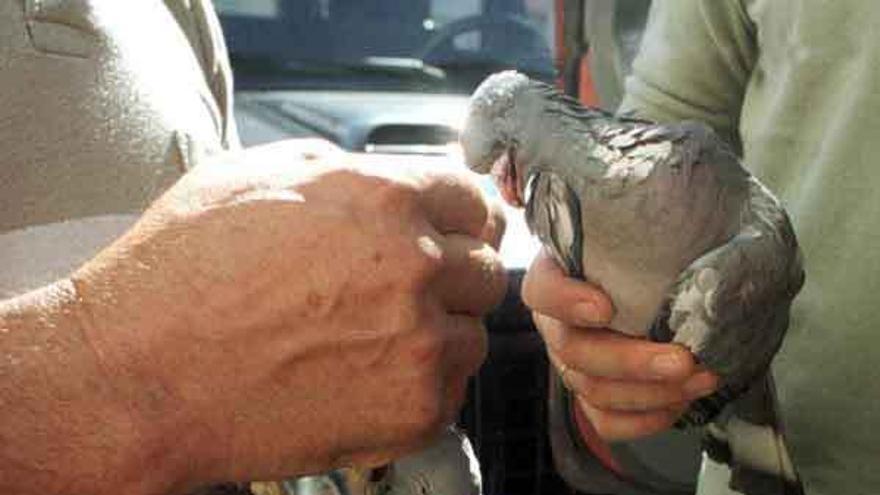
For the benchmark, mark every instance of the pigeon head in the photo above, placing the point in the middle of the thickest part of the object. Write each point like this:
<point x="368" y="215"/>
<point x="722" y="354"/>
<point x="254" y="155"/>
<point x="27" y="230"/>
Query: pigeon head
<point x="516" y="126"/>
<point x="489" y="129"/>
<point x="491" y="135"/>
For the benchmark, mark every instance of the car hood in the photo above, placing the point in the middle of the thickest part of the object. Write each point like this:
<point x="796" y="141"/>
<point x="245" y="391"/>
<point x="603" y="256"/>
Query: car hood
<point x="355" y="120"/>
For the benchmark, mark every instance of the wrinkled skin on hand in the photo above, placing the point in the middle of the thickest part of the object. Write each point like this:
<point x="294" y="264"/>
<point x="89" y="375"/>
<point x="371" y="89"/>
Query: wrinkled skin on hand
<point x="626" y="387"/>
<point x="275" y="313"/>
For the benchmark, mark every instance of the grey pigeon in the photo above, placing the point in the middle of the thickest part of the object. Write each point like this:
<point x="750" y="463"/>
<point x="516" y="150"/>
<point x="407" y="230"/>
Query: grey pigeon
<point x="689" y="245"/>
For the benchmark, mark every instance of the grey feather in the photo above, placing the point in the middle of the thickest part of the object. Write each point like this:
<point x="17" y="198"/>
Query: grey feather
<point x="731" y="306"/>
<point x="556" y="220"/>
<point x="688" y="244"/>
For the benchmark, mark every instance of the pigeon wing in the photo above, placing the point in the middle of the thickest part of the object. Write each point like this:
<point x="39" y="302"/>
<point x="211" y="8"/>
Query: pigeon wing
<point x="730" y="307"/>
<point x="553" y="213"/>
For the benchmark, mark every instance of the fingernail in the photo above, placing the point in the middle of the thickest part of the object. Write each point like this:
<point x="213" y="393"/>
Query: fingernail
<point x="700" y="386"/>
<point x="586" y="313"/>
<point x="667" y="365"/>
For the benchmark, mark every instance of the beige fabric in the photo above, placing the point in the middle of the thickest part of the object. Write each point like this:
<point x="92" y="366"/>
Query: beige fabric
<point x="797" y="83"/>
<point x="103" y="104"/>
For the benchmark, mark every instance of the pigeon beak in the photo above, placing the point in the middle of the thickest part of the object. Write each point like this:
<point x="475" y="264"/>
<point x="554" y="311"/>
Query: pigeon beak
<point x="508" y="178"/>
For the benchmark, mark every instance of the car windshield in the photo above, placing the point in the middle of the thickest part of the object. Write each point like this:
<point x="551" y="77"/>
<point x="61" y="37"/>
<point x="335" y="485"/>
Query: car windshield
<point x="433" y="45"/>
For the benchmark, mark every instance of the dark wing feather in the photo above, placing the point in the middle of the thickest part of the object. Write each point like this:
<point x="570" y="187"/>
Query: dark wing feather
<point x="553" y="213"/>
<point x="731" y="306"/>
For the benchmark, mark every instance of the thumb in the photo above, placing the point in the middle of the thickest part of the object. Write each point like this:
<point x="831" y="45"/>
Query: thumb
<point x="548" y="290"/>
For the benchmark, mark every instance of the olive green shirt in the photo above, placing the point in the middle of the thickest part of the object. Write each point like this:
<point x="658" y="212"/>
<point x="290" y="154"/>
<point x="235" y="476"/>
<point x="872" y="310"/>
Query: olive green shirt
<point x="796" y="85"/>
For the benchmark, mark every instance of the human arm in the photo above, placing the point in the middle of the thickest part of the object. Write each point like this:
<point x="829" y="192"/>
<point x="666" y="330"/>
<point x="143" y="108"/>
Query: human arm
<point x="249" y="326"/>
<point x="694" y="63"/>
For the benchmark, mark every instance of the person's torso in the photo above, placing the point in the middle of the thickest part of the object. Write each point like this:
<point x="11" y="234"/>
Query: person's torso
<point x="103" y="105"/>
<point x="810" y="122"/>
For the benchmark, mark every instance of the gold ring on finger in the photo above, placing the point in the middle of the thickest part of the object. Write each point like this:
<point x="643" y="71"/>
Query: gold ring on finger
<point x="563" y="374"/>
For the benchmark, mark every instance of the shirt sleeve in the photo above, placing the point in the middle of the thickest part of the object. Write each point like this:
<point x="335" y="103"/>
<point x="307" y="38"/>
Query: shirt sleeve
<point x="695" y="63"/>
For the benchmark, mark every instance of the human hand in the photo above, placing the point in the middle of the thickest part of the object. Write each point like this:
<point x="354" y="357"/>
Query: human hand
<point x="626" y="387"/>
<point x="279" y="312"/>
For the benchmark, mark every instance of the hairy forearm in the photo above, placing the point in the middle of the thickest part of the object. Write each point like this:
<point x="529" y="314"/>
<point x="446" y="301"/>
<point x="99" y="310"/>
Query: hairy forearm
<point x="62" y="427"/>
